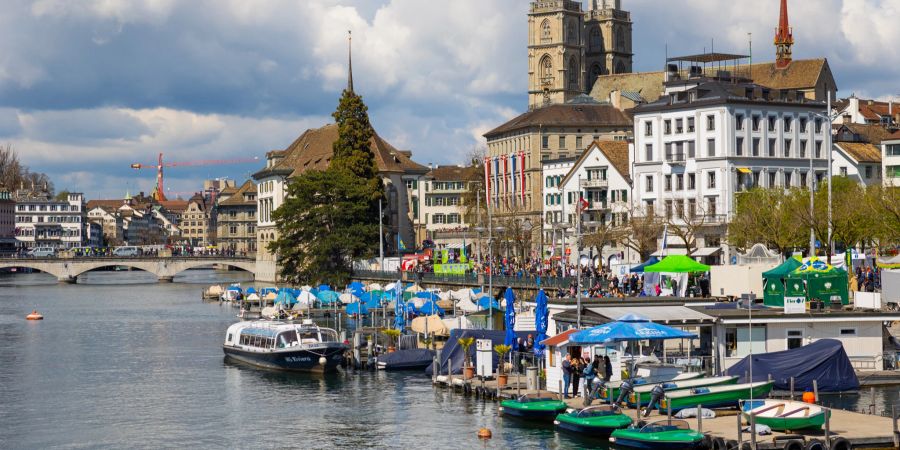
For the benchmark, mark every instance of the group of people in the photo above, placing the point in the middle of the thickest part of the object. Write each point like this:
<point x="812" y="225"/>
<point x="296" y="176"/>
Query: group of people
<point x="575" y="369"/>
<point x="868" y="279"/>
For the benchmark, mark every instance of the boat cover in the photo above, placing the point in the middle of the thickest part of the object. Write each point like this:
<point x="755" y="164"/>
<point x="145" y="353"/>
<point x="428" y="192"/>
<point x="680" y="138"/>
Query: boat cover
<point x="412" y="358"/>
<point x="452" y="353"/>
<point x="824" y="360"/>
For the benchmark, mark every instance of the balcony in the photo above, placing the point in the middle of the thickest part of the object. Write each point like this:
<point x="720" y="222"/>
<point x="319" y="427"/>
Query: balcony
<point x="598" y="206"/>
<point x="594" y="183"/>
<point x="676" y="158"/>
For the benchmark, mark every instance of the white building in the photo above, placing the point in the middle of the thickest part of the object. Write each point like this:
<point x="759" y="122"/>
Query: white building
<point x="554" y="170"/>
<point x="438" y="208"/>
<point x="890" y="161"/>
<point x="42" y="221"/>
<point x="859" y="161"/>
<point x="711" y="137"/>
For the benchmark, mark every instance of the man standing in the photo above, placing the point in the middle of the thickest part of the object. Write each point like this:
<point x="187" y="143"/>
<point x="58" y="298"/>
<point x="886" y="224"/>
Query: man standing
<point x="567" y="374"/>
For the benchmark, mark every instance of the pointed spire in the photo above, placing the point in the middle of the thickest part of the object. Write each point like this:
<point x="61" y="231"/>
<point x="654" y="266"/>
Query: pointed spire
<point x="784" y="38"/>
<point x="349" y="61"/>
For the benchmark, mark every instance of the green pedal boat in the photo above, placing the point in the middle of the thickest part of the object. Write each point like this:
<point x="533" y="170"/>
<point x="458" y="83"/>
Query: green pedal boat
<point x="610" y="392"/>
<point x="533" y="407"/>
<point x="661" y="435"/>
<point x="593" y="421"/>
<point x="785" y="415"/>
<point x="646" y="391"/>
<point x="723" y="396"/>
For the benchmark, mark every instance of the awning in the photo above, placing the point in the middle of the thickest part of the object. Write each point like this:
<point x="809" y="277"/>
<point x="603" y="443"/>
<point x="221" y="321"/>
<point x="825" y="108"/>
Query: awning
<point x="707" y="251"/>
<point x="663" y="314"/>
<point x="744" y="170"/>
<point x="456" y="246"/>
<point x="670" y="251"/>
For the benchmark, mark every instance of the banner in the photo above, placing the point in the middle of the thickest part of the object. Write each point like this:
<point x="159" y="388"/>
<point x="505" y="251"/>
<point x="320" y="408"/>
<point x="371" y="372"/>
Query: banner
<point x="487" y="181"/>
<point x="513" y="177"/>
<point x="522" y="166"/>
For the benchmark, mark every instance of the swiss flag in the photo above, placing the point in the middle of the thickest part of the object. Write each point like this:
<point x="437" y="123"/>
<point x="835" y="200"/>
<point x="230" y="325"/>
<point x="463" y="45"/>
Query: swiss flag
<point x="582" y="204"/>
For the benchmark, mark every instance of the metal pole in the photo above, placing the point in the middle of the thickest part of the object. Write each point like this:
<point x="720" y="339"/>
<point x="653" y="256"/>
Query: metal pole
<point x="816" y="391"/>
<point x="828" y="149"/>
<point x="578" y="212"/>
<point x="380" y="237"/>
<point x="812" y="203"/>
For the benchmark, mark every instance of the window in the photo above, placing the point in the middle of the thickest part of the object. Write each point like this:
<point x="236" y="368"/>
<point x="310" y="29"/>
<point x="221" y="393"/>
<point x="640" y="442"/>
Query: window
<point x="668" y="209"/>
<point x="439" y="218"/>
<point x="690" y="125"/>
<point x="739" y="147"/>
<point x="667" y="127"/>
<point x="803" y="124"/>
<point x="648" y="128"/>
<point x="649" y="152"/>
<point x="844" y="171"/>
<point x="691" y="181"/>
<point x="772" y="179"/>
<point x="648" y="183"/>
<point x="679" y="209"/>
<point x="892" y="171"/>
<point x="848" y="331"/>
<point x="868" y="171"/>
<point x="818" y="149"/>
<point x="788" y="121"/>
<point x="772" y="147"/>
<point x="772" y="120"/>
<point x="794" y="339"/>
<point x="739" y="122"/>
<point x="711" y="180"/>
<point x="818" y="126"/>
<point x="711" y="148"/>
<point x="802" y="178"/>
<point x="578" y="142"/>
<point x="756" y="120"/>
<point x="679" y="182"/>
<point x="803" y="146"/>
<point x="668" y="151"/>
<point x="545" y="141"/>
<point x="679" y="126"/>
<point x="788" y="179"/>
<point x="755" y="146"/>
<point x="741" y="340"/>
<point x="892" y="150"/>
<point x="545" y="30"/>
<point x="692" y="208"/>
<point x="787" y="147"/>
<point x="562" y="142"/>
<point x="667" y="186"/>
<point x="710" y="123"/>
<point x="691" y="153"/>
<point x="453" y="218"/>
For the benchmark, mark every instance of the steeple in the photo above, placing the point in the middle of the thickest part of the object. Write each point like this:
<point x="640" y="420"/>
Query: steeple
<point x="784" y="39"/>
<point x="349" y="61"/>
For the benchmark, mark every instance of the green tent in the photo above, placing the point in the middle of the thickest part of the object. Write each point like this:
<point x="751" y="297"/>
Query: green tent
<point x="822" y="282"/>
<point x="677" y="264"/>
<point x="773" y="293"/>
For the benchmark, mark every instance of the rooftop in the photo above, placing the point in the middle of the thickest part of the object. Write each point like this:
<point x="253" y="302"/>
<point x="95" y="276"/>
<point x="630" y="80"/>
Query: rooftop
<point x="588" y="114"/>
<point x="237" y="199"/>
<point x="861" y="151"/>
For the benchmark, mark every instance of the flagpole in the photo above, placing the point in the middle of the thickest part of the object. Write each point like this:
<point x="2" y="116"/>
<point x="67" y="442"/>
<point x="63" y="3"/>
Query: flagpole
<point x="578" y="210"/>
<point x="380" y="237"/>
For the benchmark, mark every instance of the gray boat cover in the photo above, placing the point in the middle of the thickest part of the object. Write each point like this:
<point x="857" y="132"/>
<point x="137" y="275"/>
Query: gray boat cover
<point x="452" y="353"/>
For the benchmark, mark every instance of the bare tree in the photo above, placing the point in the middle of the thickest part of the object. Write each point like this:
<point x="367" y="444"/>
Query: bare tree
<point x="14" y="174"/>
<point x="602" y="235"/>
<point x="641" y="231"/>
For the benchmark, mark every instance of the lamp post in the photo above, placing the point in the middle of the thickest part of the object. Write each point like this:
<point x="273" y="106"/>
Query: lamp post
<point x="829" y="119"/>
<point x="490" y="230"/>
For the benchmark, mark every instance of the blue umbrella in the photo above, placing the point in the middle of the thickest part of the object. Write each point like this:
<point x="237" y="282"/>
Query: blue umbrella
<point x="541" y="315"/>
<point x="285" y="298"/>
<point x="431" y="308"/>
<point x="357" y="308"/>
<point x="399" y="309"/>
<point x="486" y="302"/>
<point x="427" y="295"/>
<point x="510" y="319"/>
<point x="251" y="290"/>
<point x="327" y="297"/>
<point x="324" y="287"/>
<point x="629" y="327"/>
<point x="356" y="288"/>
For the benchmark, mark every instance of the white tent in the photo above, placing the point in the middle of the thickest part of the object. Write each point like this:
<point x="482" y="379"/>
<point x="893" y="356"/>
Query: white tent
<point x="466" y="305"/>
<point x="347" y="298"/>
<point x="453" y="323"/>
<point x="465" y="293"/>
<point x="374" y="287"/>
<point x="306" y="298"/>
<point x="253" y="297"/>
<point x="414" y="289"/>
<point x="429" y="324"/>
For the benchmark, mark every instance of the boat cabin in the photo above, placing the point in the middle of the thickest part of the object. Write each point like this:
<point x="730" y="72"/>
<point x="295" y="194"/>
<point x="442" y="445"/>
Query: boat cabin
<point x="269" y="335"/>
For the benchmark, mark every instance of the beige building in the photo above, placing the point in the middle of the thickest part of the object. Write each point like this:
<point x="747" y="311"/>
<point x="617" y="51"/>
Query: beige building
<point x="439" y="209"/>
<point x="569" y="48"/>
<point x="195" y="223"/>
<point x="237" y="219"/>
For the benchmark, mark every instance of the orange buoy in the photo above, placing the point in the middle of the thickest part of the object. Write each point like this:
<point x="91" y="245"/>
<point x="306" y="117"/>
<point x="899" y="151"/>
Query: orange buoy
<point x="34" y="316"/>
<point x="809" y="397"/>
<point x="484" y="433"/>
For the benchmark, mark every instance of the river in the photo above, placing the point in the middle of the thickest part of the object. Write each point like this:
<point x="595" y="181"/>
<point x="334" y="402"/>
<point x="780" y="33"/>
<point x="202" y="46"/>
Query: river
<point x="121" y="361"/>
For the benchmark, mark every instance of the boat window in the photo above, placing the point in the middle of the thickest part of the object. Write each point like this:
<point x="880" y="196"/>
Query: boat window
<point x="665" y="425"/>
<point x="229" y="337"/>
<point x="287" y="339"/>
<point x="308" y="337"/>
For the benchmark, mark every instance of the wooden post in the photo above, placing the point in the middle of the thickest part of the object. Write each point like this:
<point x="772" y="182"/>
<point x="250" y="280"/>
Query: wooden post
<point x="518" y="385"/>
<point x="560" y="393"/>
<point x="828" y="428"/>
<point x="816" y="390"/>
<point x="894" y="421"/>
<point x="668" y="409"/>
<point x="740" y="433"/>
<point x="450" y="375"/>
<point x="700" y="419"/>
<point x="872" y="405"/>
<point x="792" y="388"/>
<point x="752" y="431"/>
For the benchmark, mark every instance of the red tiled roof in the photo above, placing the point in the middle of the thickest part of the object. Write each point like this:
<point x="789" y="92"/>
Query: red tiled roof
<point x="559" y="338"/>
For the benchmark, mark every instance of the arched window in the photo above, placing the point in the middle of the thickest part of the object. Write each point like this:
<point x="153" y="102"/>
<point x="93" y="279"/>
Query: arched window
<point x="573" y="73"/>
<point x="620" y="40"/>
<point x="596" y="40"/>
<point x="545" y="30"/>
<point x="570" y="32"/>
<point x="596" y="71"/>
<point x="546" y="68"/>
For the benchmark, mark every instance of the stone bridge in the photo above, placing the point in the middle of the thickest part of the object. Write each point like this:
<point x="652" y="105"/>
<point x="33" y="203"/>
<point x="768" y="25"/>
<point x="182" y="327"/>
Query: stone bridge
<point x="67" y="270"/>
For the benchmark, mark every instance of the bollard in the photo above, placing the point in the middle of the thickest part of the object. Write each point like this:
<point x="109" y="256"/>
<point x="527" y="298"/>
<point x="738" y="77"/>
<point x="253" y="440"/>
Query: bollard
<point x="816" y="390"/>
<point x="700" y="419"/>
<point x="560" y="390"/>
<point x="740" y="432"/>
<point x="872" y="405"/>
<point x="894" y="421"/>
<point x="792" y="388"/>
<point x="828" y="428"/>
<point x="752" y="431"/>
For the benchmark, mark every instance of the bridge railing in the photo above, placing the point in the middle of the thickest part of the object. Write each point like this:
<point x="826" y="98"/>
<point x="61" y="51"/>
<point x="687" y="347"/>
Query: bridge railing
<point x="471" y="279"/>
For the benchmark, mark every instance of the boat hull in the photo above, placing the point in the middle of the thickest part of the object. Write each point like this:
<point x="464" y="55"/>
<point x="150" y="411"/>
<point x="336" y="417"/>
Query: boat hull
<point x="723" y="399"/>
<point x="647" y="396"/>
<point x="296" y="360"/>
<point x="681" y="441"/>
<point x="790" y="423"/>
<point x="543" y="411"/>
<point x="592" y="426"/>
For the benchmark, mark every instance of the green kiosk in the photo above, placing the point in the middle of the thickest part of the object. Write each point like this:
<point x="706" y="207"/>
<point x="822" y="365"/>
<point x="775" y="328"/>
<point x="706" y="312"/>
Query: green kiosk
<point x="823" y="282"/>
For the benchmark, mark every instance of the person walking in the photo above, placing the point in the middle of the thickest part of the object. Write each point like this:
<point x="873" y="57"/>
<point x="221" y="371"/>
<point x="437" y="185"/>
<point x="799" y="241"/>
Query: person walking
<point x="567" y="374"/>
<point x="590" y="374"/>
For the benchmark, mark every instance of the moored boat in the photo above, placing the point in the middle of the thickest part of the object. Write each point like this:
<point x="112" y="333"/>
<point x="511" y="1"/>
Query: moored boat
<point x="664" y="434"/>
<point x="34" y="316"/>
<point x="610" y="391"/>
<point x="532" y="407"/>
<point x="411" y="359"/>
<point x="292" y="346"/>
<point x="785" y="415"/>
<point x="723" y="396"/>
<point x="593" y="421"/>
<point x="645" y="392"/>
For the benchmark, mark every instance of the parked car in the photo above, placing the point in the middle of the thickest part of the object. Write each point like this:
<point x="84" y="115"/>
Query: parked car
<point x="42" y="252"/>
<point x="127" y="251"/>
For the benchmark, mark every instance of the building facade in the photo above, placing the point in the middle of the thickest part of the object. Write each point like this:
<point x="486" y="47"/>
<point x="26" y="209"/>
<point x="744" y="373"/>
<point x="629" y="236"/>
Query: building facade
<point x="439" y="209"/>
<point x="237" y="220"/>
<point x="890" y="155"/>
<point x="42" y="221"/>
<point x="708" y="140"/>
<point x="555" y="226"/>
<point x="195" y="223"/>
<point x="568" y="48"/>
<point x="7" y="222"/>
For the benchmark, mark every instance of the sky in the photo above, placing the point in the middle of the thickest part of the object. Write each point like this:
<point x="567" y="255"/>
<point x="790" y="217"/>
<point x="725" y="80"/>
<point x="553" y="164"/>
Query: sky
<point x="88" y="87"/>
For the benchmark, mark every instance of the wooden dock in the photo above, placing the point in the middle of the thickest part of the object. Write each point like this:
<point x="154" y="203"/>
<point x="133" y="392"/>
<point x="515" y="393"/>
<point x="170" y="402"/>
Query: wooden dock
<point x="860" y="430"/>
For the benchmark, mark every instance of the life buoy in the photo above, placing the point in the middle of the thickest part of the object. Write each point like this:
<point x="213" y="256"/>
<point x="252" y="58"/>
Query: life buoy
<point x="793" y="444"/>
<point x="34" y="316"/>
<point x="840" y="443"/>
<point x="815" y="444"/>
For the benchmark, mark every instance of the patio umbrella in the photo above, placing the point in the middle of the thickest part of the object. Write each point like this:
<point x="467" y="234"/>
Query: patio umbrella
<point x="414" y="289"/>
<point x="541" y="316"/>
<point x="510" y="338"/>
<point x="629" y="327"/>
<point x="356" y="308"/>
<point x="324" y="287"/>
<point x="399" y="310"/>
<point x="327" y="297"/>
<point x="374" y="287"/>
<point x="347" y="298"/>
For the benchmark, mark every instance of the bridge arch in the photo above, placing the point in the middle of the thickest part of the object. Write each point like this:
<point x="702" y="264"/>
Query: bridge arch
<point x="165" y="269"/>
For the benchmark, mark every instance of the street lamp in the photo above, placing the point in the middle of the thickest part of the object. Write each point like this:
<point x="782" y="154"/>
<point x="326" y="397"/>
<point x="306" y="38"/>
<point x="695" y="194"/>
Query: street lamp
<point x="490" y="230"/>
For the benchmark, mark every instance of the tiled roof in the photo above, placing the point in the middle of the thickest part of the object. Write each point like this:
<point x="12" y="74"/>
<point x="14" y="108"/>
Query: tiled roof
<point x="648" y="84"/>
<point x="111" y="204"/>
<point x="237" y="199"/>
<point x="174" y="205"/>
<point x="616" y="152"/>
<point x="451" y="173"/>
<point x="872" y="133"/>
<point x="314" y="149"/>
<point x="861" y="151"/>
<point x="567" y="114"/>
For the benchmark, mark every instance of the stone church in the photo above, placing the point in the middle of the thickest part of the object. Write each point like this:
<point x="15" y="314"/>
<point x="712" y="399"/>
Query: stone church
<point x="568" y="48"/>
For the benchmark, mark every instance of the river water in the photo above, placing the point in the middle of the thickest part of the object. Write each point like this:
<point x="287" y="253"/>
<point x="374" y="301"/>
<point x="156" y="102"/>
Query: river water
<point x="121" y="361"/>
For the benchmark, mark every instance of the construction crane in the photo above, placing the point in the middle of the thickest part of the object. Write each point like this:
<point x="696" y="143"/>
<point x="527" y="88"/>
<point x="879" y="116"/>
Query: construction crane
<point x="159" y="194"/>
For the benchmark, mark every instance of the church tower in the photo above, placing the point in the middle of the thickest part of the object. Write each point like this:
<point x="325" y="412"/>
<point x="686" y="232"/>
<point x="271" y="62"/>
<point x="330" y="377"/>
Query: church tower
<point x="608" y="46"/>
<point x="555" y="52"/>
<point x="784" y="39"/>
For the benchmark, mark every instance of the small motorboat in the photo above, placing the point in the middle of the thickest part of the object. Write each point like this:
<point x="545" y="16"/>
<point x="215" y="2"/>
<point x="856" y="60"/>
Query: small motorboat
<point x="411" y="359"/>
<point x="785" y="415"/>
<point x="722" y="396"/>
<point x="34" y="316"/>
<point x="593" y="421"/>
<point x="533" y="407"/>
<point x="646" y="391"/>
<point x="663" y="434"/>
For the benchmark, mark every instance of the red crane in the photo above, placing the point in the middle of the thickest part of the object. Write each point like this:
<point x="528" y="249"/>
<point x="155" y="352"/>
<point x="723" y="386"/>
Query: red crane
<point x="159" y="193"/>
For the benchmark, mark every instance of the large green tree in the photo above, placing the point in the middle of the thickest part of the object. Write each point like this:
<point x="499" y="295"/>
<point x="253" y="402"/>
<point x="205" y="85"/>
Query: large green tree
<point x="766" y="216"/>
<point x="330" y="217"/>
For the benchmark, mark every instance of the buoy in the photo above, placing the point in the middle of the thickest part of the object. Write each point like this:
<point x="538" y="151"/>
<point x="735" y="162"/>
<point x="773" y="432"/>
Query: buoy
<point x="34" y="316"/>
<point x="484" y="433"/>
<point x="322" y="360"/>
<point x="809" y="397"/>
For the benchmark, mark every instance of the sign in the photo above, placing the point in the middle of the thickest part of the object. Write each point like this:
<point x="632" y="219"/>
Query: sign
<point x="451" y="269"/>
<point x="794" y="305"/>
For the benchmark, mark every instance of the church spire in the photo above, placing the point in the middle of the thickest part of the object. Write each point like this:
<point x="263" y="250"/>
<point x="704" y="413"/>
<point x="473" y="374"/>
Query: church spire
<point x="784" y="39"/>
<point x="349" y="61"/>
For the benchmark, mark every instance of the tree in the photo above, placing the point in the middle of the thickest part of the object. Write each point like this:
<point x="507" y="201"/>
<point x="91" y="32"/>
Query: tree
<point x="851" y="222"/>
<point x="602" y="235"/>
<point x="883" y="204"/>
<point x="62" y="195"/>
<point x="764" y="216"/>
<point x="330" y="217"/>
<point x="14" y="174"/>
<point x="688" y="226"/>
<point x="641" y="231"/>
<point x="473" y="198"/>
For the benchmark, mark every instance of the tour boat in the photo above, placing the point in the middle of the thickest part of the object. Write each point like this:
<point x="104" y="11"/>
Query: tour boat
<point x="785" y="415"/>
<point x="646" y="391"/>
<point x="723" y="396"/>
<point x="593" y="421"/>
<point x="663" y="434"/>
<point x="304" y="346"/>
<point x="532" y="407"/>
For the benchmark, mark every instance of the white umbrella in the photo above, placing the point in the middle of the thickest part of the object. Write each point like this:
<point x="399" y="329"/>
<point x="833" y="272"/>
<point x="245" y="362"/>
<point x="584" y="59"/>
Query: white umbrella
<point x="306" y="288"/>
<point x="390" y="286"/>
<point x="414" y="289"/>
<point x="453" y="323"/>
<point x="347" y="298"/>
<point x="253" y="297"/>
<point x="306" y="298"/>
<point x="373" y="287"/>
<point x="466" y="305"/>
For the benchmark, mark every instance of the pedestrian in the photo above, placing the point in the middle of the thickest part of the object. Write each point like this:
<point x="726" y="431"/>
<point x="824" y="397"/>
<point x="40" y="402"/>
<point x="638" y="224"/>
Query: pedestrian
<point x="567" y="374"/>
<point x="607" y="368"/>
<point x="590" y="374"/>
<point x="577" y="368"/>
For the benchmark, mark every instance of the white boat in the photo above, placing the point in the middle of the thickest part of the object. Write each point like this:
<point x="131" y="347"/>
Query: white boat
<point x="303" y="346"/>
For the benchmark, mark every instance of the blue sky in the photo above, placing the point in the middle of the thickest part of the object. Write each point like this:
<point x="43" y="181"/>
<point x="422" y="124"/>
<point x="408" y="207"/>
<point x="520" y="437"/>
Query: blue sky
<point x="88" y="87"/>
